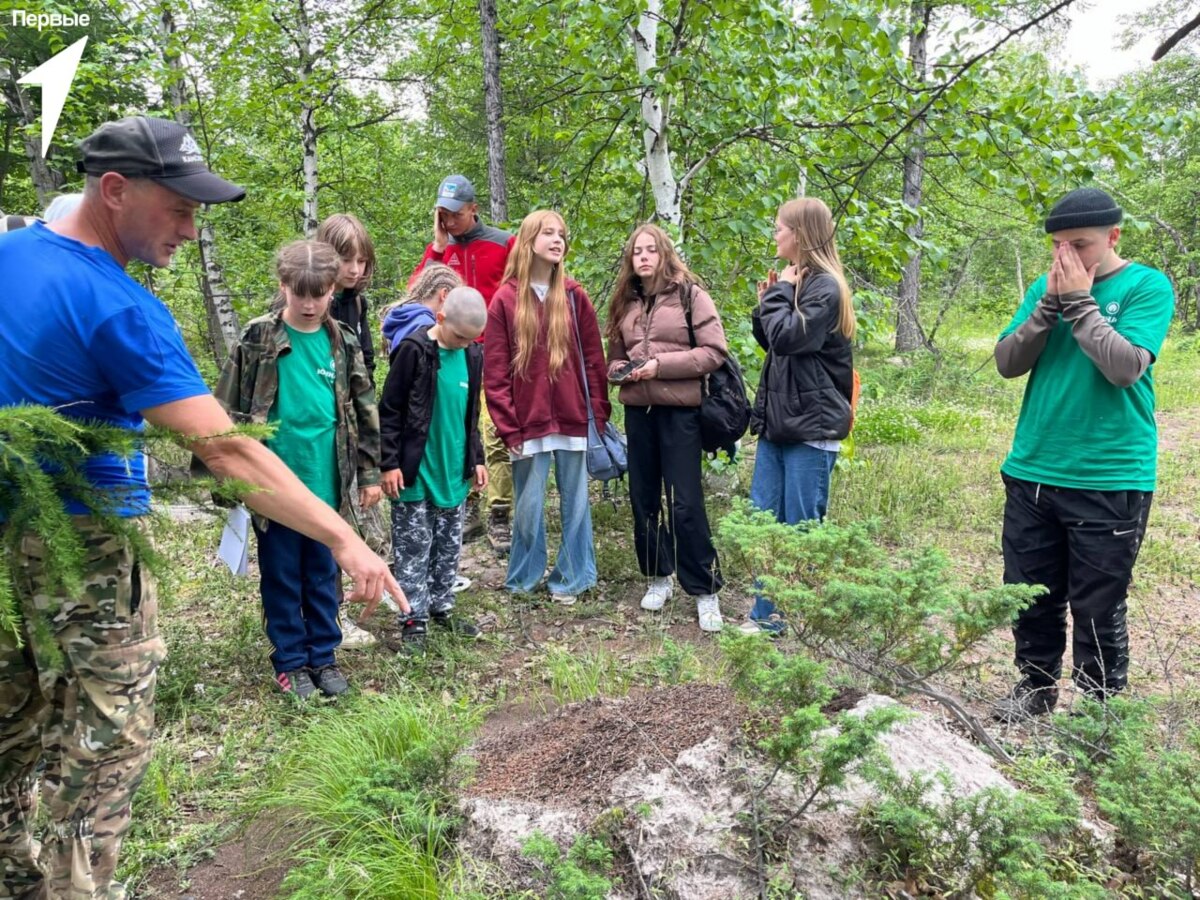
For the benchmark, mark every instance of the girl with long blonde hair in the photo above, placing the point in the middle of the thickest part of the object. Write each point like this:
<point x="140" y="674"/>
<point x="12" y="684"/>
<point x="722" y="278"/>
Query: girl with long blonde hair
<point x="805" y="322"/>
<point x="543" y="361"/>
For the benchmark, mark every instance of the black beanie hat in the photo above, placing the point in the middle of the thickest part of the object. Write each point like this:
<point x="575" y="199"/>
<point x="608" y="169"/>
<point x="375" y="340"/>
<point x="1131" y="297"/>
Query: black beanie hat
<point x="1083" y="208"/>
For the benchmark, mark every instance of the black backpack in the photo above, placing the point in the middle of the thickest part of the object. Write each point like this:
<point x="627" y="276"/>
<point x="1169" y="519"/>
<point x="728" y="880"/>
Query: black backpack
<point x="724" y="408"/>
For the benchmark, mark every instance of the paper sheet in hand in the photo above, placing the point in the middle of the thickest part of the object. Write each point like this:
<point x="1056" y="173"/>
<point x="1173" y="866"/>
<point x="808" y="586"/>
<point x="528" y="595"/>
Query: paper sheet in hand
<point x="235" y="541"/>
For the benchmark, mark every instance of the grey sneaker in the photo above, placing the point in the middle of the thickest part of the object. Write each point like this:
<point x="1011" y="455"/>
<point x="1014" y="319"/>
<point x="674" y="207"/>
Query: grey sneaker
<point x="353" y="637"/>
<point x="297" y="683"/>
<point x="473" y="527"/>
<point x="499" y="530"/>
<point x="330" y="680"/>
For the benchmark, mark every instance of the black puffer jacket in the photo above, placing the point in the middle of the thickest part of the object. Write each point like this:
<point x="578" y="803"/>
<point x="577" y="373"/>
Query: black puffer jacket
<point x="350" y="308"/>
<point x="406" y="406"/>
<point x="808" y="376"/>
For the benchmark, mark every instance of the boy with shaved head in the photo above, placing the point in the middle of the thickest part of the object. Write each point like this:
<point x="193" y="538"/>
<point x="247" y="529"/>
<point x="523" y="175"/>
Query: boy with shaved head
<point x="1081" y="473"/>
<point x="432" y="453"/>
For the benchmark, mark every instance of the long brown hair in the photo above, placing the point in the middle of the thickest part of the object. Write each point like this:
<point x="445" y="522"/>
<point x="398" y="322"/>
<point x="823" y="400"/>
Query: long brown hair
<point x="671" y="270"/>
<point x="559" y="341"/>
<point x="347" y="235"/>
<point x="309" y="269"/>
<point x="812" y="223"/>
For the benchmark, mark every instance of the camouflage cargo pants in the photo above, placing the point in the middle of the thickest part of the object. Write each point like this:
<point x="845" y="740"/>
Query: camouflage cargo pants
<point x="427" y="542"/>
<point x="80" y="695"/>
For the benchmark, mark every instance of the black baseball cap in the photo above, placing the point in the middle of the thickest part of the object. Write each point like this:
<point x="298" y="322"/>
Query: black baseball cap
<point x="455" y="192"/>
<point x="160" y="150"/>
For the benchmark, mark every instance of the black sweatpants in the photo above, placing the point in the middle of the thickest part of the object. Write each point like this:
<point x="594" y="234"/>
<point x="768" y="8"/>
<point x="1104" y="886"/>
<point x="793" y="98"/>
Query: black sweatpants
<point x="1082" y="546"/>
<point x="664" y="457"/>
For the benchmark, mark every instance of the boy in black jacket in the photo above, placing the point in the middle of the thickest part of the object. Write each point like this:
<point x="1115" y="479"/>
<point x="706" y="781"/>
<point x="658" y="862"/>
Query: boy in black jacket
<point x="431" y="454"/>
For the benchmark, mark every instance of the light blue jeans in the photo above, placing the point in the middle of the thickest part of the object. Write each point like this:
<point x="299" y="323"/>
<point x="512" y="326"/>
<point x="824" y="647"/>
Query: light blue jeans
<point x="575" y="566"/>
<point x="791" y="481"/>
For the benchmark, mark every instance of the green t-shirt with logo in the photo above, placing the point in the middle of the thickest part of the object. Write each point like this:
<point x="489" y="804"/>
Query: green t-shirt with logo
<point x="440" y="477"/>
<point x="305" y="413"/>
<point x="1077" y="429"/>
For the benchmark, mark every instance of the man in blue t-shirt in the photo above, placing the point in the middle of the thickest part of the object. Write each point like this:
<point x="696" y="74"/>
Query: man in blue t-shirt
<point x="1081" y="473"/>
<point x="78" y="334"/>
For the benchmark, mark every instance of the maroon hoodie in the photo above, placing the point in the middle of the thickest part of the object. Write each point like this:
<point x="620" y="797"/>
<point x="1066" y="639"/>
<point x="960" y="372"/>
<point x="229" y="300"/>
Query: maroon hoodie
<point x="533" y="406"/>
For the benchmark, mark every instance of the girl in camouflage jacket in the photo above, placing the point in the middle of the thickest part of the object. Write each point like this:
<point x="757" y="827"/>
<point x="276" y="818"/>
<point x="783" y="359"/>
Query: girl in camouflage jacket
<point x="302" y="371"/>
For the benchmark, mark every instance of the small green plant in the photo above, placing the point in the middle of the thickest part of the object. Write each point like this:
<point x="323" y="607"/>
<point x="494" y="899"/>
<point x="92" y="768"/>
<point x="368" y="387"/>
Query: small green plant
<point x="1147" y="783"/>
<point x="994" y="843"/>
<point x="366" y="796"/>
<point x="575" y="675"/>
<point x="902" y="619"/>
<point x="579" y="874"/>
<point x="676" y="663"/>
<point x="789" y="691"/>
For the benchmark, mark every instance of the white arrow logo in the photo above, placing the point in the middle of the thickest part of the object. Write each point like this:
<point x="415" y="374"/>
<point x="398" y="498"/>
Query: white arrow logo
<point x="55" y="76"/>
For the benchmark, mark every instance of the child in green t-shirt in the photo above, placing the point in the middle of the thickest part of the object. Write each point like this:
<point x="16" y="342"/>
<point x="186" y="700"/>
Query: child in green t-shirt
<point x="431" y="454"/>
<point x="300" y="370"/>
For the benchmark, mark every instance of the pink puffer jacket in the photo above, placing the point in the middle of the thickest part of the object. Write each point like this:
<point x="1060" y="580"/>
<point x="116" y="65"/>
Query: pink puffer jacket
<point x="661" y="333"/>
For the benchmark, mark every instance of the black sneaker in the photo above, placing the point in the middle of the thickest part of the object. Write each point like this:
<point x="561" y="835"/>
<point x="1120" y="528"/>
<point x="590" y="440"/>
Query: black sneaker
<point x="330" y="680"/>
<point x="499" y="530"/>
<point x="297" y="683"/>
<point x="412" y="638"/>
<point x="455" y="624"/>
<point x="473" y="527"/>
<point x="1025" y="701"/>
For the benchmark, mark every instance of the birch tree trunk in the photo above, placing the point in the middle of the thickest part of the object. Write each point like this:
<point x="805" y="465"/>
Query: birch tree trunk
<point x="908" y="324"/>
<point x="220" y="315"/>
<point x="46" y="181"/>
<point x="1020" y="274"/>
<point x="308" y="123"/>
<point x="494" y="108"/>
<point x="656" y="117"/>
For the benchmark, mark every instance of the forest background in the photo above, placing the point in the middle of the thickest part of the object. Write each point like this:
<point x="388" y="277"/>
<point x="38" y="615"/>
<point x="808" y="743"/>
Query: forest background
<point x="938" y="132"/>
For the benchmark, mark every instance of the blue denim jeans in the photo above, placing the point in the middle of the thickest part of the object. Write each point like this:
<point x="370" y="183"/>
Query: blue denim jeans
<point x="575" y="566"/>
<point x="791" y="481"/>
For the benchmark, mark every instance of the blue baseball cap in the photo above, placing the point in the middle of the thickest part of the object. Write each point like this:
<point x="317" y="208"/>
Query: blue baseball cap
<point x="455" y="192"/>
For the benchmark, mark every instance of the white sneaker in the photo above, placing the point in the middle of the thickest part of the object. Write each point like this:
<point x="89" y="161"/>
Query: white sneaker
<point x="709" y="611"/>
<point x="658" y="593"/>
<point x="461" y="583"/>
<point x="353" y="637"/>
<point x="564" y="599"/>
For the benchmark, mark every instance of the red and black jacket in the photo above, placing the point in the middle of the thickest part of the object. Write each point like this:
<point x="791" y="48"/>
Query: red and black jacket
<point x="479" y="257"/>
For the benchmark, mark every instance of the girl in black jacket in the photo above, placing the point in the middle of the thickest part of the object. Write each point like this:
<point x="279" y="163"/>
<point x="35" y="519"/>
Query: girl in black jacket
<point x="805" y="321"/>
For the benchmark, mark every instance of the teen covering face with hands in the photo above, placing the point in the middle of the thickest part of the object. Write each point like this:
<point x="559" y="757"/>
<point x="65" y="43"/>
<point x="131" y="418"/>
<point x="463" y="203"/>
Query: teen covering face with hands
<point x="542" y="340"/>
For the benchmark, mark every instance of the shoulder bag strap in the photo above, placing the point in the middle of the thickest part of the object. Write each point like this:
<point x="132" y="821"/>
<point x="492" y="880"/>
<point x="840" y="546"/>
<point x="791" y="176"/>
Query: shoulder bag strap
<point x="687" y="296"/>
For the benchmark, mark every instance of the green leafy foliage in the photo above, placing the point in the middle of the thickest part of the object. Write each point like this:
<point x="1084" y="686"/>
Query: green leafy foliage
<point x="900" y="616"/>
<point x="579" y="874"/>
<point x="1146" y="769"/>
<point x="996" y="843"/>
<point x="364" y="797"/>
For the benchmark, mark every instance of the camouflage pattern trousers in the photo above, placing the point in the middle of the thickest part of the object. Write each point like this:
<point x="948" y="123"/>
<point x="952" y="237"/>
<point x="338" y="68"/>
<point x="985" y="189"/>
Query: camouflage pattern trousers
<point x="427" y="541"/>
<point x="80" y="695"/>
